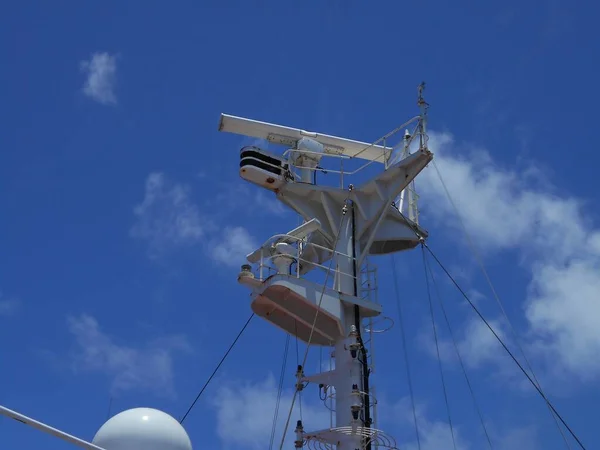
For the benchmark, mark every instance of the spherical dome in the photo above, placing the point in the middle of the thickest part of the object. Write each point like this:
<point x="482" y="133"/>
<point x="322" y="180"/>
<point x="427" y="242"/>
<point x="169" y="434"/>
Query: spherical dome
<point x="142" y="429"/>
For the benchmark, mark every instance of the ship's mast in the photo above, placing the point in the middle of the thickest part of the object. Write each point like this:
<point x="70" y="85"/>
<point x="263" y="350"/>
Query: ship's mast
<point x="342" y="226"/>
<point x="351" y="373"/>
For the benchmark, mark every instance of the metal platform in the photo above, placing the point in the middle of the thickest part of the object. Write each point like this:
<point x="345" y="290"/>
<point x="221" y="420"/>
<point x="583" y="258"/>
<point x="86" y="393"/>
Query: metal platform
<point x="291" y="303"/>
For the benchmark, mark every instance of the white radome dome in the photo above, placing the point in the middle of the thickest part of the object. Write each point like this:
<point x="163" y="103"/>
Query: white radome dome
<point x="142" y="429"/>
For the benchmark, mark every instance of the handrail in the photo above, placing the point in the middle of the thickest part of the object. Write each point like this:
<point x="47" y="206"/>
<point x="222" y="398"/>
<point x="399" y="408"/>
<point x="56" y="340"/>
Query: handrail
<point x="275" y="237"/>
<point x="366" y="277"/>
<point x="287" y="152"/>
<point x="300" y="259"/>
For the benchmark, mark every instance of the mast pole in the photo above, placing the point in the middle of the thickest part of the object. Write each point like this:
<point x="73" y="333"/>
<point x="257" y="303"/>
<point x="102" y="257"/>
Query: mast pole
<point x="358" y="324"/>
<point x="349" y="370"/>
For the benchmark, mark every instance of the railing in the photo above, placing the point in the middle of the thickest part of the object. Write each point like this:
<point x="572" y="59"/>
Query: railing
<point x="385" y="157"/>
<point x="366" y="278"/>
<point x="265" y="262"/>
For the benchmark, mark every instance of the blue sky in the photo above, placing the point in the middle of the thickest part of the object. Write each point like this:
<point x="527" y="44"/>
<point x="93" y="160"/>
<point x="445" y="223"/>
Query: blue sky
<point x="120" y="202"/>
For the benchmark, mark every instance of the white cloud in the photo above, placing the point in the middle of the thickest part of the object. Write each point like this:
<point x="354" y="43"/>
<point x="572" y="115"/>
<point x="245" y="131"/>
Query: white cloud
<point x="8" y="306"/>
<point x="243" y="199"/>
<point x="101" y="72"/>
<point x="564" y="312"/>
<point x="476" y="344"/>
<point x="146" y="368"/>
<point x="479" y="345"/>
<point x="520" y="210"/>
<point x="245" y="415"/>
<point x="433" y="434"/>
<point x="232" y="246"/>
<point x="250" y="199"/>
<point x="436" y="435"/>
<point x="167" y="216"/>
<point x="270" y="204"/>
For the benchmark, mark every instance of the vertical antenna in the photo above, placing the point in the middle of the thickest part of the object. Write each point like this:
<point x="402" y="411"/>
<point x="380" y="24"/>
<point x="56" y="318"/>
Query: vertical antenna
<point x="423" y="106"/>
<point x="410" y="194"/>
<point x="413" y="206"/>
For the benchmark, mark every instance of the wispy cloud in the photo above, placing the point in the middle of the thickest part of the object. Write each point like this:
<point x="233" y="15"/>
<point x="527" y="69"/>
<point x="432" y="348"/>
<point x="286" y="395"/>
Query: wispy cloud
<point x="475" y="343"/>
<point x="560" y="248"/>
<point x="146" y="368"/>
<point x="168" y="217"/>
<point x="251" y="200"/>
<point x="435" y="433"/>
<point x="237" y="428"/>
<point x="232" y="246"/>
<point x="101" y="71"/>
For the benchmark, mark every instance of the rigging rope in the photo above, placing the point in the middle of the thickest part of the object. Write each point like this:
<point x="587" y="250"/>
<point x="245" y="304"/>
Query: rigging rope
<point x="479" y="260"/>
<point x="516" y="361"/>
<point x="312" y="329"/>
<point x="217" y="368"/>
<point x="460" y="360"/>
<point x="279" y="390"/>
<point x="405" y="350"/>
<point x="437" y="349"/>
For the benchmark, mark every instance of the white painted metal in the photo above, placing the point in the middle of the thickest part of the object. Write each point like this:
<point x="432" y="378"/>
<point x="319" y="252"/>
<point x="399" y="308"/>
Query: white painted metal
<point x="48" y="429"/>
<point x="139" y="428"/>
<point x="291" y="237"/>
<point x="362" y="217"/>
<point x="289" y="137"/>
<point x="407" y="201"/>
<point x="347" y="369"/>
<point x="142" y="428"/>
<point x="306" y="157"/>
<point x="380" y="228"/>
<point x="405" y="152"/>
<point x="290" y="303"/>
<point x="260" y="176"/>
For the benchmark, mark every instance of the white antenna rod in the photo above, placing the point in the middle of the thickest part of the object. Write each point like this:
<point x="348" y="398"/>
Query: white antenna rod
<point x="47" y="429"/>
<point x="278" y="134"/>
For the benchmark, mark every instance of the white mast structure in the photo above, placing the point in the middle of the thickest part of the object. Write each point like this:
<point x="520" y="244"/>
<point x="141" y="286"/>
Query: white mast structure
<point x="344" y="224"/>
